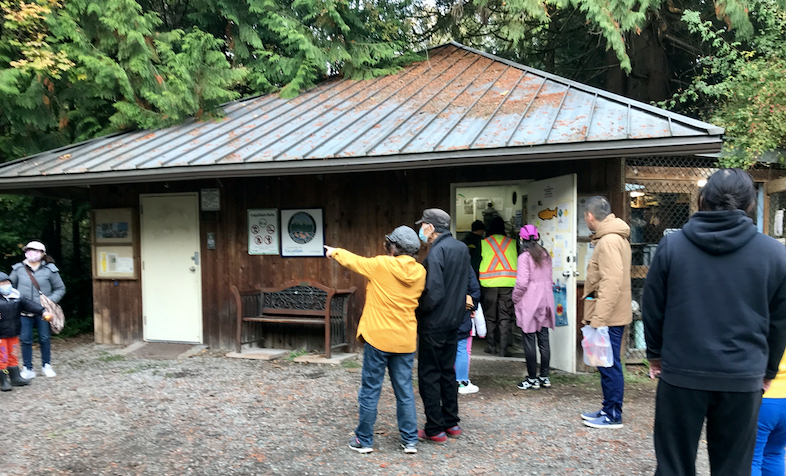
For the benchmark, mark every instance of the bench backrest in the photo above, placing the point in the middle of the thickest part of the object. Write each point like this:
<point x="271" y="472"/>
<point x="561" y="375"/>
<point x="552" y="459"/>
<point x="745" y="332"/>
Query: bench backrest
<point x="301" y="298"/>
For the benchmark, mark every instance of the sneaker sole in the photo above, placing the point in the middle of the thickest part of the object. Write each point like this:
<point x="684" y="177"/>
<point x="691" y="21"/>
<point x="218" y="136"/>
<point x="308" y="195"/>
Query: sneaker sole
<point x="409" y="451"/>
<point x="611" y="426"/>
<point x="467" y="392"/>
<point x="437" y="442"/>
<point x="361" y="450"/>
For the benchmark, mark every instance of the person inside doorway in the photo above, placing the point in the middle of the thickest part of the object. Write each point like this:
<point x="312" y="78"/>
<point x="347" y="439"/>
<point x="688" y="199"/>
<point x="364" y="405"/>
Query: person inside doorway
<point x="473" y="240"/>
<point x="497" y="279"/>
<point x="388" y="331"/>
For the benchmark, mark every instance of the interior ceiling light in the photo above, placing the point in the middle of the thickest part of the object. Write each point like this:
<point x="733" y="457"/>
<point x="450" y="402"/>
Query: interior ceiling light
<point x="636" y="194"/>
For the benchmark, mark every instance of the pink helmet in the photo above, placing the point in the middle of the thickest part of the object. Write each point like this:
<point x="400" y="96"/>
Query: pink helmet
<point x="529" y="232"/>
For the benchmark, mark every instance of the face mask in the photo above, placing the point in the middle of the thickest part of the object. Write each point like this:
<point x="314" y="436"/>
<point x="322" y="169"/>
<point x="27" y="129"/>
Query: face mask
<point x="6" y="289"/>
<point x="422" y="236"/>
<point x="33" y="256"/>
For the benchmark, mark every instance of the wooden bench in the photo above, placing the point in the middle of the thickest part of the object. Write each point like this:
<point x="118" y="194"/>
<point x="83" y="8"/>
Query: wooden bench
<point x="299" y="302"/>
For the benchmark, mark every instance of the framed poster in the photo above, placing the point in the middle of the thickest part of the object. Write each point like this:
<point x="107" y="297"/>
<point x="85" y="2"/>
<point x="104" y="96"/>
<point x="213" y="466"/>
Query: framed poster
<point x="114" y="262"/>
<point x="210" y="200"/>
<point x="583" y="231"/>
<point x="113" y="225"/>
<point x="263" y="231"/>
<point x="302" y="232"/>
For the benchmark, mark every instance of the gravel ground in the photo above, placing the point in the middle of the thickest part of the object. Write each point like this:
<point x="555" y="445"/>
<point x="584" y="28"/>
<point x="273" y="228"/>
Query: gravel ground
<point x="113" y="415"/>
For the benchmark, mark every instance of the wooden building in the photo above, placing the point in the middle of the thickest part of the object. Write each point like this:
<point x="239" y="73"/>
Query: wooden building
<point x="461" y="129"/>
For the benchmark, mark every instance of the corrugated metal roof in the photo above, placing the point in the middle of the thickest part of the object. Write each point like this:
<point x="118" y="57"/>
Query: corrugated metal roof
<point x="459" y="106"/>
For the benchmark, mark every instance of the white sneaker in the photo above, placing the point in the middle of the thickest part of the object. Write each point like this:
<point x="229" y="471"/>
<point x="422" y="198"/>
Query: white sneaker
<point x="48" y="371"/>
<point x="468" y="387"/>
<point x="27" y="374"/>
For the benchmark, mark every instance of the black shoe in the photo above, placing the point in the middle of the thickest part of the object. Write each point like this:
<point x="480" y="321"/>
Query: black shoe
<point x="506" y="354"/>
<point x="490" y="350"/>
<point x="5" y="381"/>
<point x="16" y="378"/>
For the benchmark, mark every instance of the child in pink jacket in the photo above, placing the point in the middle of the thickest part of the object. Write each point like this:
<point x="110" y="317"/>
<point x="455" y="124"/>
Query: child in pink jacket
<point x="533" y="299"/>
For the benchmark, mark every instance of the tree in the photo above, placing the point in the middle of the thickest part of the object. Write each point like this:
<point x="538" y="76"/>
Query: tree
<point x="72" y="71"/>
<point x="742" y="86"/>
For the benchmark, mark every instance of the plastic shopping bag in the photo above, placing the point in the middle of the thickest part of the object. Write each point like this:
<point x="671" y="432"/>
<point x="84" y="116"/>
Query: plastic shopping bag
<point x="479" y="321"/>
<point x="597" y="347"/>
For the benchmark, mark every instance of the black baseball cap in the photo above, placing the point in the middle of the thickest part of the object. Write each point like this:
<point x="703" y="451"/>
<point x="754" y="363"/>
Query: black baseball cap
<point x="435" y="216"/>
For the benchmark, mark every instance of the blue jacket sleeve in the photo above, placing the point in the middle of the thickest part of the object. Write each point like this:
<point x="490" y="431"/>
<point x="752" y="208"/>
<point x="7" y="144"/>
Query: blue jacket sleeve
<point x="58" y="287"/>
<point x="653" y="300"/>
<point x="473" y="288"/>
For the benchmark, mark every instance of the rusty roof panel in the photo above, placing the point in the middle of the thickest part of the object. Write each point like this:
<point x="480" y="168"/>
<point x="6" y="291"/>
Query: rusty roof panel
<point x="609" y="121"/>
<point x="458" y="99"/>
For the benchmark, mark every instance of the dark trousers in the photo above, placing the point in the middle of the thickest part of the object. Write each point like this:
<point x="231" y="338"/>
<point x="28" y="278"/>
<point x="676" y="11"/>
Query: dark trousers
<point x="437" y="380"/>
<point x="499" y="312"/>
<point x="611" y="379"/>
<point x="731" y="430"/>
<point x="528" y="341"/>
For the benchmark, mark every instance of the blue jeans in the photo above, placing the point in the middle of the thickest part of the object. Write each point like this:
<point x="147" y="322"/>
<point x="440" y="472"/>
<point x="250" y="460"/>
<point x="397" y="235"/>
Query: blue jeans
<point x="463" y="351"/>
<point x="611" y="378"/>
<point x="400" y="368"/>
<point x="771" y="439"/>
<point x="27" y="340"/>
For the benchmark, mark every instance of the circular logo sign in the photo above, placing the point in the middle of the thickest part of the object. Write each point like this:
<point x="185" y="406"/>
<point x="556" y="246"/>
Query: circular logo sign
<point x="302" y="228"/>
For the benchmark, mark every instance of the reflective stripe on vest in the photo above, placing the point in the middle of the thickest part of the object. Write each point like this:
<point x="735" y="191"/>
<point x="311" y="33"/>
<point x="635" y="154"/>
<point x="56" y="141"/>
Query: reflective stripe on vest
<point x="499" y="260"/>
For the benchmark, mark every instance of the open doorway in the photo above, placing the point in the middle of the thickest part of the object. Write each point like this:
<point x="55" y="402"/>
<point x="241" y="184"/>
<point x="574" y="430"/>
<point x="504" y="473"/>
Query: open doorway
<point x="551" y="205"/>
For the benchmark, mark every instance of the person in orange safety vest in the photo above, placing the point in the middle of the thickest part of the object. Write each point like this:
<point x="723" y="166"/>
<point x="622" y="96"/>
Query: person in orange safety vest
<point x="497" y="279"/>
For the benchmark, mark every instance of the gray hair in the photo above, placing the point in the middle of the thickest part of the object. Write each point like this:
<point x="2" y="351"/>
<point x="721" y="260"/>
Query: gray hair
<point x="599" y="207"/>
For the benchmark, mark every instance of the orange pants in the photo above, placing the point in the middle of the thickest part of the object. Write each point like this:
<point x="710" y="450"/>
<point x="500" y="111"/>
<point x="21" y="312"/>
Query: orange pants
<point x="8" y="350"/>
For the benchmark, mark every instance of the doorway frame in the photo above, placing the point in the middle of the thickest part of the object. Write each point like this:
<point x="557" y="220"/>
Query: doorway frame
<point x="195" y="196"/>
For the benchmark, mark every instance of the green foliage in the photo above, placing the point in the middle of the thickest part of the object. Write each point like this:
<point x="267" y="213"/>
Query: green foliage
<point x="744" y="85"/>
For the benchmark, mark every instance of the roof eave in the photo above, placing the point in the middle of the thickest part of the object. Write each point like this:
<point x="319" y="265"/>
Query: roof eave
<point x="542" y="153"/>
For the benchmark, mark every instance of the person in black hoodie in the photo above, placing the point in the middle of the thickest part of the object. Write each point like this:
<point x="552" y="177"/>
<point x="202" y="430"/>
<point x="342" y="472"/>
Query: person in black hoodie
<point x="440" y="314"/>
<point x="714" y="311"/>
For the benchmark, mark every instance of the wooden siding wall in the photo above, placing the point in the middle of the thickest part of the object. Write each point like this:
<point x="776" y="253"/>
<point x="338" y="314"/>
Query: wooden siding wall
<point x="360" y="208"/>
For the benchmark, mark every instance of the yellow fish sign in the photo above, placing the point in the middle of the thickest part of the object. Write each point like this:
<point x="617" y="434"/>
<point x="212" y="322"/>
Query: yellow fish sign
<point x="547" y="214"/>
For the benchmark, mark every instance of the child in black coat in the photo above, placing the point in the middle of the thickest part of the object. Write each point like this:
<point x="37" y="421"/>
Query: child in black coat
<point x="11" y="305"/>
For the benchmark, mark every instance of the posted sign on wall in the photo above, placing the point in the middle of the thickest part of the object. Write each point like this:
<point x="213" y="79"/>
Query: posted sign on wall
<point x="263" y="231"/>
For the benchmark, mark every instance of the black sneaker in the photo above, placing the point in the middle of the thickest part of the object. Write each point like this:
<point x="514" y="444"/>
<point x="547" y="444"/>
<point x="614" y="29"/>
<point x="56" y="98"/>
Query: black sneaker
<point x="529" y="384"/>
<point x="356" y="445"/>
<point x="545" y="382"/>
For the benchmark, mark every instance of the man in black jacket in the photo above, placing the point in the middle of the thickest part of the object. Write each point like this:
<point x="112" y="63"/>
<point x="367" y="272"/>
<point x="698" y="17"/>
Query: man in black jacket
<point x="440" y="313"/>
<point x="714" y="311"/>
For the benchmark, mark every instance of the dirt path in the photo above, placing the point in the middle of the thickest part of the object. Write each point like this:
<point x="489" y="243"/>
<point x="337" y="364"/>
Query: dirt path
<point x="112" y="415"/>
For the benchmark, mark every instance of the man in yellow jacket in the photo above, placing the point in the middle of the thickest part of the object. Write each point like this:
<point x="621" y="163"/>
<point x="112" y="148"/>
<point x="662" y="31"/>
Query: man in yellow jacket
<point x="388" y="329"/>
<point x="607" y="298"/>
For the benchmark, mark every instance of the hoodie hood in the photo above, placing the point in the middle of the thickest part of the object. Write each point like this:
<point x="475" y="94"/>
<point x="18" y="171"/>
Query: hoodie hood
<point x="719" y="233"/>
<point x="405" y="269"/>
<point x="611" y="225"/>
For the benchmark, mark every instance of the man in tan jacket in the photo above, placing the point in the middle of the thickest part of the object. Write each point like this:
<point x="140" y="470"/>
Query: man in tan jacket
<point x="607" y="299"/>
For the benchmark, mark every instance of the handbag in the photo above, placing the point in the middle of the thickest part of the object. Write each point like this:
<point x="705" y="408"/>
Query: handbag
<point x="597" y="346"/>
<point x="58" y="317"/>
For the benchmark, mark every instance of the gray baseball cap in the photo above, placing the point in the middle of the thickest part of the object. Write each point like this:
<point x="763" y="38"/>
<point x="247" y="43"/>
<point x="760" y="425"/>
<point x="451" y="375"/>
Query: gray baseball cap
<point x="435" y="216"/>
<point x="4" y="277"/>
<point x="405" y="237"/>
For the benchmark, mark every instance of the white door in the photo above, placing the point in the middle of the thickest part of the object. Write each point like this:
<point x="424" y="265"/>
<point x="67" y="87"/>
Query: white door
<point x="552" y="208"/>
<point x="171" y="278"/>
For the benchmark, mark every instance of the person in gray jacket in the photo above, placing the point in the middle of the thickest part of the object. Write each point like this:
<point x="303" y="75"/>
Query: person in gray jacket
<point x="37" y="274"/>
